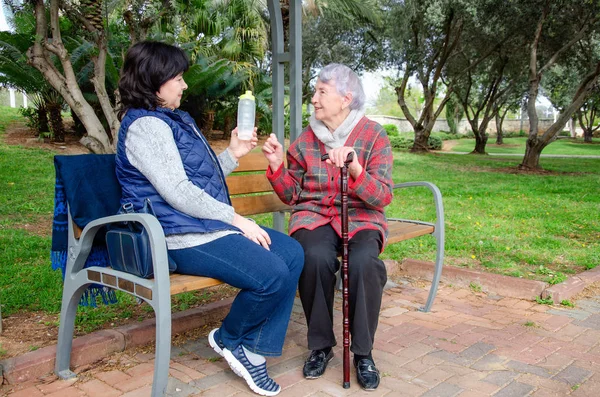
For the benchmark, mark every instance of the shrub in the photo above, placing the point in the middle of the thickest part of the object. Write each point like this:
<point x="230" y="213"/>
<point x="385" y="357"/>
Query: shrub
<point x="434" y="143"/>
<point x="391" y="130"/>
<point x="403" y="143"/>
<point x="444" y="136"/>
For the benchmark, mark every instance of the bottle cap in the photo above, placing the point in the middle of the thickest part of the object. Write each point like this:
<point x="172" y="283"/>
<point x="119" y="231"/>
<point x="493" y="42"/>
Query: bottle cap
<point x="247" y="95"/>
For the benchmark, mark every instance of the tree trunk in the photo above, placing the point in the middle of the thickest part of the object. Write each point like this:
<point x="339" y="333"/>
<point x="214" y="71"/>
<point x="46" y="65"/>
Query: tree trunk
<point x="421" y="144"/>
<point x="42" y="119"/>
<point x="481" y="138"/>
<point x="64" y="81"/>
<point x="227" y="126"/>
<point x="533" y="151"/>
<point x="587" y="135"/>
<point x="480" y="142"/>
<point x="499" y="132"/>
<point x="58" y="129"/>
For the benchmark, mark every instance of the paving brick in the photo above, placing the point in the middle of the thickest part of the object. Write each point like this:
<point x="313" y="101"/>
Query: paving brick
<point x="572" y="375"/>
<point x="515" y="389"/>
<point x="555" y="362"/>
<point x="175" y="387"/>
<point x="528" y="369"/>
<point x="477" y="351"/>
<point x="540" y="382"/>
<point x="68" y="392"/>
<point x="575" y="314"/>
<point x="134" y="382"/>
<point x="592" y="322"/>
<point x="443" y="390"/>
<point x="214" y="380"/>
<point x="500" y="378"/>
<point x="56" y="386"/>
<point x="401" y="388"/>
<point x="589" y="338"/>
<point x="113" y="377"/>
<point x="140" y="392"/>
<point x="27" y="392"/>
<point x="555" y="323"/>
<point x="431" y="378"/>
<point x="96" y="388"/>
<point x="489" y="362"/>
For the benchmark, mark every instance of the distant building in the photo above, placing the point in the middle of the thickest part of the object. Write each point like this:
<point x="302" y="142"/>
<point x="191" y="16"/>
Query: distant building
<point x="13" y="98"/>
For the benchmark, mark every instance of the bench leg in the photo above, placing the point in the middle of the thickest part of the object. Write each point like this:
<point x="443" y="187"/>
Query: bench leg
<point x="70" y="301"/>
<point x="163" y="347"/>
<point x="439" y="262"/>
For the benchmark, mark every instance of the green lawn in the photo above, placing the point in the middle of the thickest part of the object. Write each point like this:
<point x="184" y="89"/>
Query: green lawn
<point x="543" y="226"/>
<point x="517" y="146"/>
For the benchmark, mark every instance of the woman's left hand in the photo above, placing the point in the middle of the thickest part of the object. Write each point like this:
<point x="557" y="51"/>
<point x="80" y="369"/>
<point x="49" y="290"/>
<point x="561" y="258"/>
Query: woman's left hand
<point x="241" y="148"/>
<point x="339" y="155"/>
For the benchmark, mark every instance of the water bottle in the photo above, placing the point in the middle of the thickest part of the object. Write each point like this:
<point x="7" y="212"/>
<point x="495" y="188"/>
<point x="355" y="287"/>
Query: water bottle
<point x="245" y="116"/>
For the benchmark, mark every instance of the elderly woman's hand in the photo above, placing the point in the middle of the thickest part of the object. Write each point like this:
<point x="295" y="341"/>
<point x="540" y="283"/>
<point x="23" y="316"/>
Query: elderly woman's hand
<point x="240" y="148"/>
<point x="339" y="155"/>
<point x="273" y="151"/>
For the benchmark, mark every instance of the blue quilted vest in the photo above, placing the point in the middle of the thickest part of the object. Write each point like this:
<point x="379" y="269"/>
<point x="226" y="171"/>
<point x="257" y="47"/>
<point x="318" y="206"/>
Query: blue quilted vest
<point x="199" y="162"/>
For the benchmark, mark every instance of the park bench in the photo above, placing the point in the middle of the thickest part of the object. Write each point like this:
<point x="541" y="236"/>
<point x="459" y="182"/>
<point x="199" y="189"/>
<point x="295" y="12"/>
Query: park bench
<point x="251" y="194"/>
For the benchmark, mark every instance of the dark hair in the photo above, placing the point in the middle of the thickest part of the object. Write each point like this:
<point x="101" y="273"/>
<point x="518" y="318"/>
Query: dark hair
<point x="148" y="65"/>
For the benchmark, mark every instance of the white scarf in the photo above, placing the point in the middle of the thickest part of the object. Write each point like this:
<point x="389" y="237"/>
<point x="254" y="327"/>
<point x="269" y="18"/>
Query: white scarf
<point x="339" y="136"/>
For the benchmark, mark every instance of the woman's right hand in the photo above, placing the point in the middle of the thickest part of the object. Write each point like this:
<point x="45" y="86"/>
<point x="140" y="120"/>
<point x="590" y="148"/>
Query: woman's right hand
<point x="273" y="151"/>
<point x="252" y="231"/>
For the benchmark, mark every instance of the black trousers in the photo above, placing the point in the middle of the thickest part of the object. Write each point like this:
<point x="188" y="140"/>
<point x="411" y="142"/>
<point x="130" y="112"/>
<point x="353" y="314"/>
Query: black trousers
<point x="366" y="278"/>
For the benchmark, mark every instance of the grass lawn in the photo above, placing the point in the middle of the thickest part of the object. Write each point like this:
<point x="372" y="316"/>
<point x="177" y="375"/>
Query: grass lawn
<point x="543" y="226"/>
<point x="566" y="146"/>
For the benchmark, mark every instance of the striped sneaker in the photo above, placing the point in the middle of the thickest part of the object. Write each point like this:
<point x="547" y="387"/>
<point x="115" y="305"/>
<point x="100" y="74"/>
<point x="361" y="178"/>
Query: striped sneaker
<point x="214" y="340"/>
<point x="256" y="376"/>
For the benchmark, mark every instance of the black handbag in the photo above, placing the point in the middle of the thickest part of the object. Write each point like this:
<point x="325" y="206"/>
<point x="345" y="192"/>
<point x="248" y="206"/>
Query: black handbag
<point x="128" y="245"/>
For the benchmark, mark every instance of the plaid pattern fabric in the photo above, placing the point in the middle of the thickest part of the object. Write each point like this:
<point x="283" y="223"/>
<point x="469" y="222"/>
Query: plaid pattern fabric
<point x="312" y="187"/>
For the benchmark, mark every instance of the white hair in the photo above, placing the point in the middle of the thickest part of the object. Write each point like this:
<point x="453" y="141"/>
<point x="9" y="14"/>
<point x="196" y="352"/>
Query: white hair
<point x="345" y="80"/>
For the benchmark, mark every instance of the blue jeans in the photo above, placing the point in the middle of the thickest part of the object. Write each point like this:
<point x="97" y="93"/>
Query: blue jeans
<point x="260" y="313"/>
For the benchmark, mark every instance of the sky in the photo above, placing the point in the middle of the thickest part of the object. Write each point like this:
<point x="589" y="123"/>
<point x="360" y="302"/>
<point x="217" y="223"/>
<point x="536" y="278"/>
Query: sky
<point x="3" y="25"/>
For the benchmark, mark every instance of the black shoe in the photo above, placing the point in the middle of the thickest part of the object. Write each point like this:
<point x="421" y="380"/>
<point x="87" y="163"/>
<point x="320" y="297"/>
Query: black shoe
<point x="367" y="374"/>
<point x="315" y="364"/>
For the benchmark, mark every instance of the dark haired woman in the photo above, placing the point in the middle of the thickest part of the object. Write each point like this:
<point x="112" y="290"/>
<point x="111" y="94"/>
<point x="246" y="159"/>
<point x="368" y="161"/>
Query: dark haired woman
<point x="162" y="156"/>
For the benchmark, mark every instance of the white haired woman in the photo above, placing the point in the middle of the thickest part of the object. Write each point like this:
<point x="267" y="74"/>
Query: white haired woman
<point x="311" y="186"/>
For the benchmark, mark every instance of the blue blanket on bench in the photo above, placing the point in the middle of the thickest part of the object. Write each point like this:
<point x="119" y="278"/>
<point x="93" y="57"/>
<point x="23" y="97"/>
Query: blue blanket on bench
<point x="88" y="184"/>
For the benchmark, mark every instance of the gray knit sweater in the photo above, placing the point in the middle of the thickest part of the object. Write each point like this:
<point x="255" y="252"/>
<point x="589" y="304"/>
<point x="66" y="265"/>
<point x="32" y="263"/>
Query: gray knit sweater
<point x="150" y="147"/>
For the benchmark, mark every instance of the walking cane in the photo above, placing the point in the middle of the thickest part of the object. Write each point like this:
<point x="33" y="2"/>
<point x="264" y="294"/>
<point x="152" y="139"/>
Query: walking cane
<point x="346" y="323"/>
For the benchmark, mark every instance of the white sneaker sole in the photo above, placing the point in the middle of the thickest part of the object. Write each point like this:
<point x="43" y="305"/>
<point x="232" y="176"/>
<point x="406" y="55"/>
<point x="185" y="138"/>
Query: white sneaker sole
<point x="241" y="371"/>
<point x="213" y="342"/>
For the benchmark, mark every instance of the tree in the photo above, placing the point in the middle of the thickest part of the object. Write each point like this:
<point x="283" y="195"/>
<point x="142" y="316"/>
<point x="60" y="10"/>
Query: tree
<point x="560" y="32"/>
<point x="422" y="37"/>
<point x="342" y="31"/>
<point x="485" y="69"/>
<point x="64" y="79"/>
<point x="17" y="74"/>
<point x="587" y="115"/>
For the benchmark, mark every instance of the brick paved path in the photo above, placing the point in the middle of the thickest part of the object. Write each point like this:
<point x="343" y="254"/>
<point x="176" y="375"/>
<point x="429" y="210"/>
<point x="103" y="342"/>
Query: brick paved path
<point x="469" y="345"/>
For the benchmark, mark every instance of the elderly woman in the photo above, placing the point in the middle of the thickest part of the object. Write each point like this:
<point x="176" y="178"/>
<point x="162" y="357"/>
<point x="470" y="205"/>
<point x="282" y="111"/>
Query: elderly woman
<point x="162" y="156"/>
<point x="337" y="127"/>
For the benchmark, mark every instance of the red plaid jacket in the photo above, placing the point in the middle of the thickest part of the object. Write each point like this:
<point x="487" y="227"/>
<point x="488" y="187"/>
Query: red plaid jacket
<point x="312" y="187"/>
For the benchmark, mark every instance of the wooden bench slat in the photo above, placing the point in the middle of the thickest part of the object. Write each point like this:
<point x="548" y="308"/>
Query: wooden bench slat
<point x="183" y="283"/>
<point x="251" y="205"/>
<point x="400" y="231"/>
<point x="249" y="183"/>
<point x="254" y="161"/>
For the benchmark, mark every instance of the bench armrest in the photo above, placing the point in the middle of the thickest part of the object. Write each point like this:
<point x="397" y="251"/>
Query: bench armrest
<point x="79" y="249"/>
<point x="437" y="199"/>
